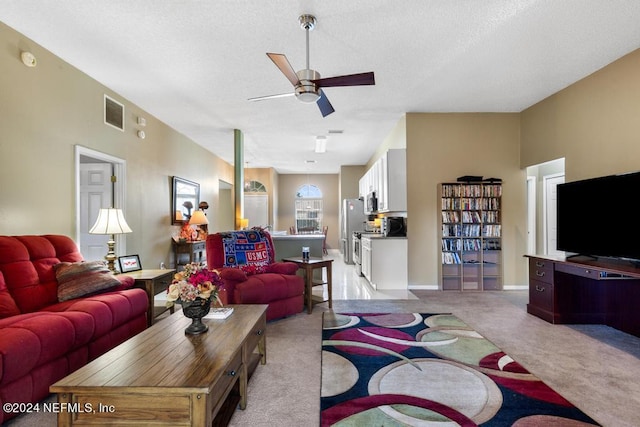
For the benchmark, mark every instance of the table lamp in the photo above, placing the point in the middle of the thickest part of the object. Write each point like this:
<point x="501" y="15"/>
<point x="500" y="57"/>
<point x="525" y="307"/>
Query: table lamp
<point x="244" y="223"/>
<point x="110" y="221"/>
<point x="199" y="219"/>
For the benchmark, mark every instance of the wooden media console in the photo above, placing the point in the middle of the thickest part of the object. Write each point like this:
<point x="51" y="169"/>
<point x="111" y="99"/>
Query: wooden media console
<point x="581" y="290"/>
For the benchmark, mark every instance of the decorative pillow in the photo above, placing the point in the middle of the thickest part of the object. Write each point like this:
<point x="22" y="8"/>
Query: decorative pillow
<point x="247" y="250"/>
<point x="79" y="279"/>
<point x="8" y="306"/>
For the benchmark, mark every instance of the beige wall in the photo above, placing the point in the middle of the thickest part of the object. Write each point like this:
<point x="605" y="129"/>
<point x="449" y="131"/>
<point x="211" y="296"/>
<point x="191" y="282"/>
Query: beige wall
<point x="397" y="138"/>
<point x="349" y="179"/>
<point x="594" y="123"/>
<point x="45" y="112"/>
<point x="442" y="147"/>
<point x="328" y="184"/>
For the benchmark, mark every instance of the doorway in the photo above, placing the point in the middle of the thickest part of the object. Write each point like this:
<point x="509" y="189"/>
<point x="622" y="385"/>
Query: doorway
<point x="96" y="189"/>
<point x="542" y="181"/>
<point x="256" y="209"/>
<point x="226" y="208"/>
<point x="551" y="183"/>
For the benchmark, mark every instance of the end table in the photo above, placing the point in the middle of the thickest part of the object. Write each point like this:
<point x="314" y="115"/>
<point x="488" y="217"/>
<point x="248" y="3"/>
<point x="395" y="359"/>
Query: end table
<point x="308" y="266"/>
<point x="154" y="282"/>
<point x="195" y="250"/>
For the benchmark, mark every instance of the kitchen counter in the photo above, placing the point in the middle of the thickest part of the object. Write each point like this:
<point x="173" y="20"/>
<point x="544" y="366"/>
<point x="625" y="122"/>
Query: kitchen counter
<point x="296" y="237"/>
<point x="290" y="245"/>
<point x="380" y="236"/>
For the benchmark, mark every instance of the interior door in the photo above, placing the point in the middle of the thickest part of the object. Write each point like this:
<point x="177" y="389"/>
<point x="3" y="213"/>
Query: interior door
<point x="256" y="209"/>
<point x="96" y="192"/>
<point x="531" y="215"/>
<point x="551" y="183"/>
<point x="226" y="209"/>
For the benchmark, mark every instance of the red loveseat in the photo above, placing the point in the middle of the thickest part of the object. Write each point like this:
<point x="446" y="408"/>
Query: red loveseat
<point x="246" y="261"/>
<point x="41" y="339"/>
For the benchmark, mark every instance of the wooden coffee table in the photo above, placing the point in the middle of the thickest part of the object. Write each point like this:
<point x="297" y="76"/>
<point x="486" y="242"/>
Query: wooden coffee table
<point x="164" y="377"/>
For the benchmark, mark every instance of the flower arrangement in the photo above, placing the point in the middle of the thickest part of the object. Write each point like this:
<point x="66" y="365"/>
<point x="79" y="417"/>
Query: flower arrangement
<point x="195" y="281"/>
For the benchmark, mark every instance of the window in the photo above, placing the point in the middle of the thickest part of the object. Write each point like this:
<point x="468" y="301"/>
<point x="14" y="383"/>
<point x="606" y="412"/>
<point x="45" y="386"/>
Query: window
<point x="308" y="209"/>
<point x="254" y="187"/>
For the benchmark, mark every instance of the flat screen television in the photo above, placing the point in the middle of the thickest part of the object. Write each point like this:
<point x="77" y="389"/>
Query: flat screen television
<point x="595" y="217"/>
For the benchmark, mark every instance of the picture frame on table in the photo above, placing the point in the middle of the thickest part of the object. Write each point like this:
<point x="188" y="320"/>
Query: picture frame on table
<point x="129" y="263"/>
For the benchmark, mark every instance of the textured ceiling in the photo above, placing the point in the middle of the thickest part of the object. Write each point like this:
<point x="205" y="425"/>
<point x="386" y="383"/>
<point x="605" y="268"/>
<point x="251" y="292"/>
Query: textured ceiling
<point x="193" y="64"/>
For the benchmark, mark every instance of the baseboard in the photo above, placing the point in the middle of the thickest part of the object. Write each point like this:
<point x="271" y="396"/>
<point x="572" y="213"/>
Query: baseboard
<point x="423" y="287"/>
<point x="436" y="287"/>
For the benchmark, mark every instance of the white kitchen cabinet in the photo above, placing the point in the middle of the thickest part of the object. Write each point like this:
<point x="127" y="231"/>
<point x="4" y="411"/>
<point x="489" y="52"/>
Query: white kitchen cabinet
<point x="392" y="178"/>
<point x="387" y="177"/>
<point x="384" y="262"/>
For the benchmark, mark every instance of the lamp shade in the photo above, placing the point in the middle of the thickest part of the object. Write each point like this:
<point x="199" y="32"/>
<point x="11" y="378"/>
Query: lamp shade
<point x="198" y="218"/>
<point x="110" y="221"/>
<point x="244" y="222"/>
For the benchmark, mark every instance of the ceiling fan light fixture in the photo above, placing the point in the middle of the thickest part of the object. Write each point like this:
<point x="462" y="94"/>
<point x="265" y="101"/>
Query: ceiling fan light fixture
<point x="307" y="97"/>
<point x="306" y="90"/>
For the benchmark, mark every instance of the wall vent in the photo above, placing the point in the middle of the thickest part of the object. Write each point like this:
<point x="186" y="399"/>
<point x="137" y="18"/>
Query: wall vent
<point x="113" y="113"/>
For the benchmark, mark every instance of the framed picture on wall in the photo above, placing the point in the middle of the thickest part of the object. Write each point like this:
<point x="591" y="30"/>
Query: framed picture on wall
<point x="185" y="199"/>
<point x="129" y="263"/>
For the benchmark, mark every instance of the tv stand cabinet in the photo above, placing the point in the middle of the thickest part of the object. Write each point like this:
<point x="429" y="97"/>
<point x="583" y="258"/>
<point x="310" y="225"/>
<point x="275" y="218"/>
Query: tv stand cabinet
<point x="585" y="291"/>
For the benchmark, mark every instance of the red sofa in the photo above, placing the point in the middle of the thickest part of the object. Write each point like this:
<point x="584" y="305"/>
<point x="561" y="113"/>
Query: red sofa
<point x="41" y="339"/>
<point x="246" y="261"/>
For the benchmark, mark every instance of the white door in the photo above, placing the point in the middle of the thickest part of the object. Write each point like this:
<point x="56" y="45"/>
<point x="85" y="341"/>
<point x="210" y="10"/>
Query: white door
<point x="551" y="183"/>
<point x="256" y="209"/>
<point x="226" y="209"/>
<point x="96" y="191"/>
<point x="531" y="215"/>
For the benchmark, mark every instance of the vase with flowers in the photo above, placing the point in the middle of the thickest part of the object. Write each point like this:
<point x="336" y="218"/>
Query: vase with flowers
<point x="195" y="288"/>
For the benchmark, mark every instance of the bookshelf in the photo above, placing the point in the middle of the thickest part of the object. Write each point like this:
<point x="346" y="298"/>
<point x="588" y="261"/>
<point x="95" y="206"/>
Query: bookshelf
<point x="470" y="236"/>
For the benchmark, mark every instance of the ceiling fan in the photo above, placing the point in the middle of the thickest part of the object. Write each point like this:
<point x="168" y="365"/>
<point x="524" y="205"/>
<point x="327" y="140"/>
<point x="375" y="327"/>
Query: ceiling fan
<point x="307" y="82"/>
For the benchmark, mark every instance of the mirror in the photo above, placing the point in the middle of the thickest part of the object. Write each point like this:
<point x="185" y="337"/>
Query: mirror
<point x="185" y="199"/>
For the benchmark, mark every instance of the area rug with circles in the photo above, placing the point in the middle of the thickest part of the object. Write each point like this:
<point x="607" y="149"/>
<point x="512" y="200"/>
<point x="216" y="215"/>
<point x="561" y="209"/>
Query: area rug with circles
<point x="413" y="369"/>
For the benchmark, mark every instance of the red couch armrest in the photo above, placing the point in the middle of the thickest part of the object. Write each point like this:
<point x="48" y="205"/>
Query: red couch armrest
<point x="126" y="282"/>
<point x="231" y="277"/>
<point x="288" y="268"/>
<point x="232" y="274"/>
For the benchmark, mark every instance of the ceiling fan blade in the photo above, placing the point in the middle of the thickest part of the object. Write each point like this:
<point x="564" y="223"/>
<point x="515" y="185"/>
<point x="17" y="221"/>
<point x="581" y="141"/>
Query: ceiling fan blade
<point x="285" y="67"/>
<point x="360" y="79"/>
<point x="262" y="98"/>
<point x="325" y="106"/>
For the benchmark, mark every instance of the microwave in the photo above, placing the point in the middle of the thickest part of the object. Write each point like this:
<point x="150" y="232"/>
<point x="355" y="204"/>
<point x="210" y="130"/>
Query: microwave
<point x="394" y="226"/>
<point x="372" y="202"/>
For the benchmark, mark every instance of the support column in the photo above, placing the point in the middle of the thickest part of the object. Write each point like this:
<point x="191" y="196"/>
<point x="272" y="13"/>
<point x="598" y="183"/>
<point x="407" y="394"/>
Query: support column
<point x="238" y="174"/>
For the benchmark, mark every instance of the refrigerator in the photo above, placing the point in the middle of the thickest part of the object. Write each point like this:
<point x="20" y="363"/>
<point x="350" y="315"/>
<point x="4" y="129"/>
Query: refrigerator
<point x="353" y="219"/>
